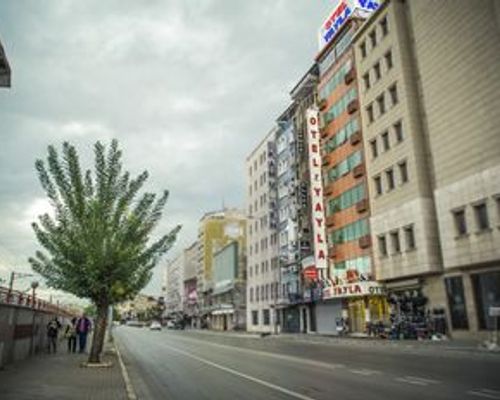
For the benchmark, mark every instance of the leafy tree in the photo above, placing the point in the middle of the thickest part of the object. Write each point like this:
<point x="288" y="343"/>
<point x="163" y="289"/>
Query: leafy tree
<point x="98" y="243"/>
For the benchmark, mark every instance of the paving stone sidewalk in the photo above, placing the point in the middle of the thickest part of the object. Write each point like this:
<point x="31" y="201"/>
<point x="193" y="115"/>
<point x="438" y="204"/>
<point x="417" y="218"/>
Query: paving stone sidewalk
<point x="59" y="376"/>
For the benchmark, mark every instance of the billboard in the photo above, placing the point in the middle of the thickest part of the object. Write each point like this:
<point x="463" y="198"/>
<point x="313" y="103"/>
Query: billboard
<point x="318" y="214"/>
<point x="339" y="16"/>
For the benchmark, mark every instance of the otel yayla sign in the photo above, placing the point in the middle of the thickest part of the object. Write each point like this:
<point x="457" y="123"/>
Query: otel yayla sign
<point x="339" y="16"/>
<point x="318" y="215"/>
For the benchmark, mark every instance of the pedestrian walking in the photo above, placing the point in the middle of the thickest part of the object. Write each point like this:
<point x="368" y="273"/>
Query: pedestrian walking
<point x="52" y="332"/>
<point x="70" y="335"/>
<point x="83" y="327"/>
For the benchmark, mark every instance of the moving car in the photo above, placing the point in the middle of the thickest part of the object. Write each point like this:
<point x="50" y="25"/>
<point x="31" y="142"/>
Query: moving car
<point x="155" y="326"/>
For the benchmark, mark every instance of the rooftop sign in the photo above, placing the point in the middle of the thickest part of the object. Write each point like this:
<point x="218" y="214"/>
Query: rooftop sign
<point x="339" y="16"/>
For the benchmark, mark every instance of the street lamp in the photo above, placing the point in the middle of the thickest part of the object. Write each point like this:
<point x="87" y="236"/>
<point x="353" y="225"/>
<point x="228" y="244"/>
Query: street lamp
<point x="13" y="275"/>
<point x="34" y="285"/>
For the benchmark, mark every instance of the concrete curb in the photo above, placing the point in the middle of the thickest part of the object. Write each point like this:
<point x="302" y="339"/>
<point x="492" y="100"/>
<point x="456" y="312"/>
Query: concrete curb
<point x="128" y="384"/>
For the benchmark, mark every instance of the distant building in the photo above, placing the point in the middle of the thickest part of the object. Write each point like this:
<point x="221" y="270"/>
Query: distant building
<point x="228" y="300"/>
<point x="138" y="308"/>
<point x="5" y="72"/>
<point x="190" y="294"/>
<point x="174" y="286"/>
<point x="216" y="229"/>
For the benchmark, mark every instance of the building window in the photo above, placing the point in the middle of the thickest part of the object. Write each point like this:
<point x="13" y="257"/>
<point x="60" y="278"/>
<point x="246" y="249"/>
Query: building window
<point x="409" y="238"/>
<point x="373" y="146"/>
<point x="398" y="131"/>
<point x="389" y="175"/>
<point x="267" y="292"/>
<point x="384" y="25"/>
<point x="481" y="213"/>
<point x="376" y="69"/>
<point x="362" y="49"/>
<point x="378" y="184"/>
<point x="366" y="80"/>
<point x="257" y="297"/>
<point x="381" y="104"/>
<point x="388" y="60"/>
<point x="373" y="38"/>
<point x="385" y="141"/>
<point x="250" y="271"/>
<point x="497" y="201"/>
<point x="456" y="302"/>
<point x="369" y="113"/>
<point x="393" y="92"/>
<point x="251" y="294"/>
<point x="487" y="294"/>
<point x="266" y="317"/>
<point x="460" y="222"/>
<point x="382" y="245"/>
<point x="255" y="317"/>
<point x="403" y="171"/>
<point x="396" y="245"/>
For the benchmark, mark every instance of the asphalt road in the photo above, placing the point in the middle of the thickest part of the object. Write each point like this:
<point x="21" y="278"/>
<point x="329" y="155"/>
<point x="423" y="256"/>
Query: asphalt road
<point x="190" y="365"/>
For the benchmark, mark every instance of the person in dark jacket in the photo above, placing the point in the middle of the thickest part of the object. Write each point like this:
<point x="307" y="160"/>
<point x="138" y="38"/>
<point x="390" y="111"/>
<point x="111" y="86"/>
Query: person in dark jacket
<point x="70" y="334"/>
<point x="83" y="327"/>
<point x="52" y="331"/>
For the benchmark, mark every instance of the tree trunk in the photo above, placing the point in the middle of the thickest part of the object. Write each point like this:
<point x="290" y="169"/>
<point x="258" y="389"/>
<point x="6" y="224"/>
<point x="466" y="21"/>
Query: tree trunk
<point x="99" y="333"/>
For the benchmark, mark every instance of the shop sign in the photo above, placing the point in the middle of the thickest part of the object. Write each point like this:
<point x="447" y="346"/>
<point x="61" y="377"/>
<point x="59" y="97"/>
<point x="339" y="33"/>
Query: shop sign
<point x="339" y="16"/>
<point x="318" y="214"/>
<point x="310" y="273"/>
<point x="354" y="289"/>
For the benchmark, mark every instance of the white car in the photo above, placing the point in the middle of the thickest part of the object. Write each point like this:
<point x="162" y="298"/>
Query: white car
<point x="155" y="326"/>
<point x="170" y="324"/>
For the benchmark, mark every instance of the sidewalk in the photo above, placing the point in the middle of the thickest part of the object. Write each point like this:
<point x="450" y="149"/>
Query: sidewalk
<point x="59" y="376"/>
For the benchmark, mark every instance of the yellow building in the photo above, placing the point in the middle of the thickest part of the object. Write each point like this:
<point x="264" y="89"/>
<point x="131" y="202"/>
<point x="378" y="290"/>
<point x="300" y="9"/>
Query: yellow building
<point x="216" y="229"/>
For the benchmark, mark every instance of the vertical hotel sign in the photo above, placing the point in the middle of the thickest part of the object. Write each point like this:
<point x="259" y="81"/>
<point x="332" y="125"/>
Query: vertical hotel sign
<point x="318" y="214"/>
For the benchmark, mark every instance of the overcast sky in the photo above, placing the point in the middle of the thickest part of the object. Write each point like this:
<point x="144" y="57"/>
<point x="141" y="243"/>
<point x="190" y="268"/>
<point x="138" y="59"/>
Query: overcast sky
<point x="188" y="88"/>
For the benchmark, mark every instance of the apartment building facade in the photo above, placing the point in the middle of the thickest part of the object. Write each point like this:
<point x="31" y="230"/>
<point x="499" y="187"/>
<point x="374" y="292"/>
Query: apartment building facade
<point x="190" y="294"/>
<point x="351" y="293"/>
<point x="173" y="285"/>
<point x="263" y="275"/>
<point x="430" y="75"/>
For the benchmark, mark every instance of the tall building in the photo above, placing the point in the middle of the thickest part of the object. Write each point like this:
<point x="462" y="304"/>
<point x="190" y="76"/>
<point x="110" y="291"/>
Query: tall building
<point x="263" y="275"/>
<point x="216" y="229"/>
<point x="429" y="83"/>
<point x="304" y="97"/>
<point x="289" y="290"/>
<point x="5" y="72"/>
<point x="351" y="292"/>
<point x="173" y="285"/>
<point x="190" y="294"/>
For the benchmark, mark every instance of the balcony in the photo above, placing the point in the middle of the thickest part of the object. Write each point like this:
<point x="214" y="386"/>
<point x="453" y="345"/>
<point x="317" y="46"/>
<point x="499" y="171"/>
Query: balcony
<point x="358" y="171"/>
<point x="362" y="206"/>
<point x="328" y="190"/>
<point x="353" y="106"/>
<point x="355" y="138"/>
<point x="349" y="77"/>
<point x="365" y="241"/>
<point x="332" y="251"/>
<point x="324" y="133"/>
<point x="330" y="221"/>
<point x="322" y="104"/>
<point x="326" y="161"/>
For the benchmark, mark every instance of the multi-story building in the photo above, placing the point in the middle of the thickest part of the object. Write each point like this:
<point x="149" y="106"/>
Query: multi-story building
<point x="288" y="297"/>
<point x="228" y="310"/>
<point x="263" y="275"/>
<point x="216" y="229"/>
<point x="429" y="83"/>
<point x="5" y="72"/>
<point x="190" y="297"/>
<point x="173" y="285"/>
<point x="304" y="97"/>
<point x="353" y="293"/>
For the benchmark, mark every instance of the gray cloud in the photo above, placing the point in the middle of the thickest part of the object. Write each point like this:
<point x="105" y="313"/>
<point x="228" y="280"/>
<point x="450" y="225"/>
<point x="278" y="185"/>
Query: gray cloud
<point x="188" y="87"/>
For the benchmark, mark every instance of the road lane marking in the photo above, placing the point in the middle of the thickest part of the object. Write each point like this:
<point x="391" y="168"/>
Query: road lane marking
<point x="128" y="383"/>
<point x="242" y="375"/>
<point x="278" y="356"/>
<point x="486" y="393"/>
<point x="416" y="380"/>
<point x="364" y="371"/>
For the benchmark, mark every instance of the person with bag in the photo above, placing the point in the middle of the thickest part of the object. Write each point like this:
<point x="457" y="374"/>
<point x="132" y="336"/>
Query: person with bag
<point x="70" y="335"/>
<point x="52" y="331"/>
<point x="83" y="327"/>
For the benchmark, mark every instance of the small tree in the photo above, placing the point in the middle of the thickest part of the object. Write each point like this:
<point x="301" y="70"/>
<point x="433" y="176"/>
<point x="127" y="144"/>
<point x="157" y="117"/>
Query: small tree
<point x="97" y="244"/>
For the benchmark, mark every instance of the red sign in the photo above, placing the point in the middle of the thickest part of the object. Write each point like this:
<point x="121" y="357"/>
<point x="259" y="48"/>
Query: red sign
<point x="310" y="273"/>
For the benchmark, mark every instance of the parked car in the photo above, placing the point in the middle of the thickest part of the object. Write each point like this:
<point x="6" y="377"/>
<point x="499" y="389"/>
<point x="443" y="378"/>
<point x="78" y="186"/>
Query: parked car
<point x="170" y="324"/>
<point x="155" y="326"/>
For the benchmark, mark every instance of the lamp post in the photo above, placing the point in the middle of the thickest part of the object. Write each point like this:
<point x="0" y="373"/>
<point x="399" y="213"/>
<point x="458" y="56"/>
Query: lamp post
<point x="13" y="275"/>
